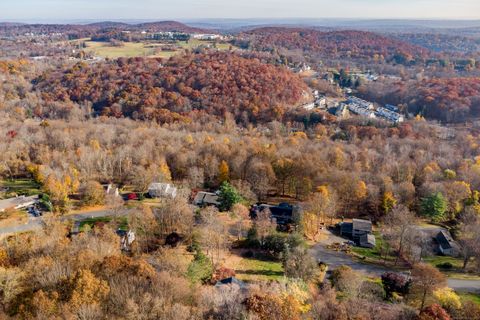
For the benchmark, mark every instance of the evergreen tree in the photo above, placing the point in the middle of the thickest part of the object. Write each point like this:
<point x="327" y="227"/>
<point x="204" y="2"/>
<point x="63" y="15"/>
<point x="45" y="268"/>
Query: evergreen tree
<point x="434" y="206"/>
<point x="228" y="196"/>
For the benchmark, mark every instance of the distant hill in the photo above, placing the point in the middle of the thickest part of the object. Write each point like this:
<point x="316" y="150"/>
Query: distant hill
<point x="11" y="24"/>
<point x="108" y="24"/>
<point x="331" y="44"/>
<point x="86" y="30"/>
<point x="169" y="26"/>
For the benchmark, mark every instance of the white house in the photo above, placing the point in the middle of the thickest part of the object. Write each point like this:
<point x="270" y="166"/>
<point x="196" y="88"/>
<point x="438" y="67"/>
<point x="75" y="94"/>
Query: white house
<point x="16" y="203"/>
<point x="162" y="190"/>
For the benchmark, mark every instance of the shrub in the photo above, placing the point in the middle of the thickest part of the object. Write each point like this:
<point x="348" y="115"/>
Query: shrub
<point x="445" y="265"/>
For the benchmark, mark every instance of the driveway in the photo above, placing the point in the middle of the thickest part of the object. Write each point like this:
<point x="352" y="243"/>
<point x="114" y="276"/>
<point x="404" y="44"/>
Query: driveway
<point x="334" y="259"/>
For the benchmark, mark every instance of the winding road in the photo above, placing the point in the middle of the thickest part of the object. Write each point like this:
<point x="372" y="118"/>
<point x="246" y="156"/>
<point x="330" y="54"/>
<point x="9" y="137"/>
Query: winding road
<point x="35" y="223"/>
<point x="334" y="259"/>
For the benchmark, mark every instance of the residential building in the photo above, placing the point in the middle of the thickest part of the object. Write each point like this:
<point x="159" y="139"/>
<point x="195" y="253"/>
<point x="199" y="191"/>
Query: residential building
<point x="389" y="115"/>
<point x="231" y="281"/>
<point x="203" y="199"/>
<point x="358" y="230"/>
<point x="112" y="191"/>
<point x="17" y="203"/>
<point x="360" y="103"/>
<point x="282" y="213"/>
<point x="446" y="245"/>
<point x="391" y="107"/>
<point x="309" y="106"/>
<point x="162" y="190"/>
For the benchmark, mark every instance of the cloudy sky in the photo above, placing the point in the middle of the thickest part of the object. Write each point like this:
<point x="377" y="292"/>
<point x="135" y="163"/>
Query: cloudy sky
<point x="193" y="9"/>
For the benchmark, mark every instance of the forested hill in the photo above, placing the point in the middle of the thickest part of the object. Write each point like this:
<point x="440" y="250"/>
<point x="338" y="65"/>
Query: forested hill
<point x="214" y="83"/>
<point x="87" y="30"/>
<point x="333" y="44"/>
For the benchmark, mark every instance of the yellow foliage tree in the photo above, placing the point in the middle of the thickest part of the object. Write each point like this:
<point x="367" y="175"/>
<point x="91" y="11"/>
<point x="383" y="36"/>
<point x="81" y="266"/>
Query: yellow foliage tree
<point x="361" y="190"/>
<point x="447" y="298"/>
<point x="165" y="171"/>
<point x="223" y="171"/>
<point x="388" y="201"/>
<point x="88" y="289"/>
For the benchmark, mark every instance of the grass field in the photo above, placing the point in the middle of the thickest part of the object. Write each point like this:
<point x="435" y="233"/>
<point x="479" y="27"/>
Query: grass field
<point x="374" y="254"/>
<point x="128" y="50"/>
<point x="90" y="223"/>
<point x="254" y="269"/>
<point x="141" y="49"/>
<point x="470" y="297"/>
<point x="21" y="186"/>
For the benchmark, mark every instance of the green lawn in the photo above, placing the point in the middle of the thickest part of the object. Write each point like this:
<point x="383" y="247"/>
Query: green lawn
<point x="470" y="297"/>
<point x="122" y="223"/>
<point x="375" y="253"/>
<point x="21" y="187"/>
<point x="437" y="260"/>
<point x="250" y="269"/>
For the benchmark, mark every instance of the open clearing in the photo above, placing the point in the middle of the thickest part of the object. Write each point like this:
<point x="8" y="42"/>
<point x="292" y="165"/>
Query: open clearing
<point x="144" y="49"/>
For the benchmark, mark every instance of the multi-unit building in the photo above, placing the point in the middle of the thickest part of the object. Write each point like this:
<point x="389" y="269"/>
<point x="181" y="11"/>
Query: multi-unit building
<point x="389" y="115"/>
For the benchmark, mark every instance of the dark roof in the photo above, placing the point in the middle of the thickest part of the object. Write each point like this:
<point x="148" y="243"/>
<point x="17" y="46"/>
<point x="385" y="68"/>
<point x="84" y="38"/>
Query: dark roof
<point x="362" y="225"/>
<point x="346" y="227"/>
<point x="231" y="280"/>
<point x="283" y="213"/>
<point x="444" y="240"/>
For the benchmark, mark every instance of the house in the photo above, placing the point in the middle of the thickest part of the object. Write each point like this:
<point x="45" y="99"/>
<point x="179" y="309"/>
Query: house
<point x="111" y="191"/>
<point x="282" y="213"/>
<point x="358" y="230"/>
<point x="309" y="106"/>
<point x="231" y="281"/>
<point x="389" y="115"/>
<point x="342" y="111"/>
<point x="321" y="102"/>
<point x="203" y="199"/>
<point x="360" y="103"/>
<point x="162" y="190"/>
<point x="391" y="107"/>
<point x="126" y="239"/>
<point x="17" y="203"/>
<point x="367" y="240"/>
<point x="207" y="36"/>
<point x="446" y="245"/>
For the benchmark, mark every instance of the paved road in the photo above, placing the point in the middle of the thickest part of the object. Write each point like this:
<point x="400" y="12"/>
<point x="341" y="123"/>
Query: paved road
<point x="35" y="223"/>
<point x="334" y="259"/>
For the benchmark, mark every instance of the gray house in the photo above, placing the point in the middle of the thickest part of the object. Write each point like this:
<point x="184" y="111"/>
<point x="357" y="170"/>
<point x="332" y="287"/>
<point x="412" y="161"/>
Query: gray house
<point x="203" y="199"/>
<point x="359" y="231"/>
<point x="446" y="245"/>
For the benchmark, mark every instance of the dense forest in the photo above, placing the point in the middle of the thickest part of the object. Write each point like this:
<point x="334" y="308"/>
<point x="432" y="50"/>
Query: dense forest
<point x="337" y="44"/>
<point x="214" y="83"/>
<point x="448" y="43"/>
<point x="447" y="99"/>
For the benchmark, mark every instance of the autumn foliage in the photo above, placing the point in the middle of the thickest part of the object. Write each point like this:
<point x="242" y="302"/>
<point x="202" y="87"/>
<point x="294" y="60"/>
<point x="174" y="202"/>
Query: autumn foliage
<point x="334" y="44"/>
<point x="213" y="83"/>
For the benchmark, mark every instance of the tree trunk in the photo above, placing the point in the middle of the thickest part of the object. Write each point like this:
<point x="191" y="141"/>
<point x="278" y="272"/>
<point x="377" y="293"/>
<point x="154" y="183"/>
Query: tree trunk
<point x="465" y="262"/>
<point x="423" y="300"/>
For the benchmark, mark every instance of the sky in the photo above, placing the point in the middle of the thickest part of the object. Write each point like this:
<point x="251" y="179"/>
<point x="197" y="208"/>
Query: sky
<point x="63" y="10"/>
